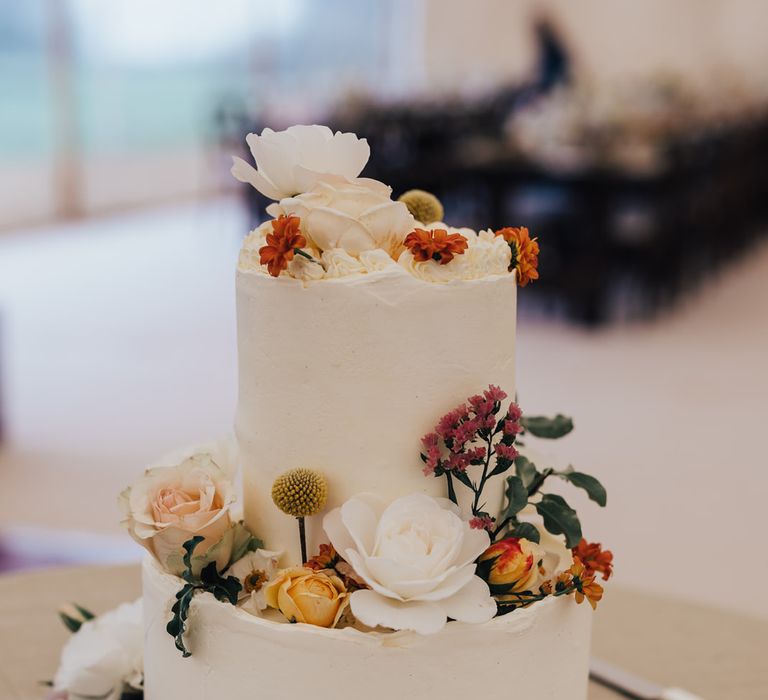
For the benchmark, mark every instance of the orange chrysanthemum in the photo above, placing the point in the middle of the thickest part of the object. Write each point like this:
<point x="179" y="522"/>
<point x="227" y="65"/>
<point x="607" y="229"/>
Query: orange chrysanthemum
<point x="586" y="586"/>
<point x="281" y="244"/>
<point x="525" y="253"/>
<point x="595" y="559"/>
<point x="437" y="245"/>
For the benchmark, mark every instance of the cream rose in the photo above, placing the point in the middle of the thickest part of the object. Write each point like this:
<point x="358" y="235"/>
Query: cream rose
<point x="171" y="504"/>
<point x="104" y="656"/>
<point x="291" y="162"/>
<point x="418" y="556"/>
<point x="354" y="215"/>
<point x="312" y="597"/>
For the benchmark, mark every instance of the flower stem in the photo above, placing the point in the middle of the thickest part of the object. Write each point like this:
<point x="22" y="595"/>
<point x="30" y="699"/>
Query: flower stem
<point x="451" y="488"/>
<point x="539" y="482"/>
<point x="303" y="539"/>
<point x="303" y="254"/>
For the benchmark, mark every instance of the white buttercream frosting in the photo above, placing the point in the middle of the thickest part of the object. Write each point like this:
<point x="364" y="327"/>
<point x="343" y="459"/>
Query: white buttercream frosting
<point x="486" y="255"/>
<point x="346" y="375"/>
<point x="537" y="652"/>
<point x="339" y="263"/>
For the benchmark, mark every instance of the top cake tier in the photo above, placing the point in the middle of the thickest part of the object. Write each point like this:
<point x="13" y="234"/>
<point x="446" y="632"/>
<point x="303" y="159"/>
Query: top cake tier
<point x="360" y="320"/>
<point x="345" y="376"/>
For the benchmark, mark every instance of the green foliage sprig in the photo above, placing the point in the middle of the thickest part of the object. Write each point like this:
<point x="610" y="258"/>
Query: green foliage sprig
<point x="224" y="589"/>
<point x="478" y="434"/>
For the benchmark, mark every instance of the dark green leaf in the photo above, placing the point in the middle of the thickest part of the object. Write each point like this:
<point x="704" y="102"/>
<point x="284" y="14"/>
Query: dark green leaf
<point x="177" y="624"/>
<point x="72" y="624"/>
<point x="526" y="470"/>
<point x="224" y="589"/>
<point x="517" y="496"/>
<point x="592" y="486"/>
<point x="502" y="465"/>
<point x="87" y="614"/>
<point x="189" y="548"/>
<point x="526" y="531"/>
<point x="463" y="477"/>
<point x="545" y="427"/>
<point x="560" y="518"/>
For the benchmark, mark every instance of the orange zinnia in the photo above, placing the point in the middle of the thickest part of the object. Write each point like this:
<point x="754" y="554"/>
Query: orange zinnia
<point x="282" y="244"/>
<point x="595" y="560"/>
<point x="525" y="253"/>
<point x="586" y="586"/>
<point x="437" y="245"/>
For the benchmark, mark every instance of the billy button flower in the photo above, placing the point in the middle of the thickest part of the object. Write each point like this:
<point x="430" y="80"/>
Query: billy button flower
<point x="509" y="566"/>
<point x="285" y="241"/>
<point x="300" y="493"/>
<point x="525" y="253"/>
<point x="437" y="245"/>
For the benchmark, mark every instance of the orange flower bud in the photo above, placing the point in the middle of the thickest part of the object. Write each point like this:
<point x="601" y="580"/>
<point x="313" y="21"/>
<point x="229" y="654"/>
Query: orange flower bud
<point x="510" y="565"/>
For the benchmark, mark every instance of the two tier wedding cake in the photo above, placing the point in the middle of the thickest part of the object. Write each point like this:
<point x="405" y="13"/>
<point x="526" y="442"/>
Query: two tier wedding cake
<point x="396" y="538"/>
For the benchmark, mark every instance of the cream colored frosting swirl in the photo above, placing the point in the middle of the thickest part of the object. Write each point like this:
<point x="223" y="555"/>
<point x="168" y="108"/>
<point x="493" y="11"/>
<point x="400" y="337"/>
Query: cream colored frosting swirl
<point x="486" y="255"/>
<point x="339" y="263"/>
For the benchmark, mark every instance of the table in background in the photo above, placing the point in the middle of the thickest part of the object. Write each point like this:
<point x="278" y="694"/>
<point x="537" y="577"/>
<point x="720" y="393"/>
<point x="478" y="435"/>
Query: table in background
<point x="719" y="655"/>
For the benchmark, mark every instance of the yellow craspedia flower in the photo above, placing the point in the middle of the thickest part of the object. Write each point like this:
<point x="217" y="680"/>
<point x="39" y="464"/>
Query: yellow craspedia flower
<point x="300" y="492"/>
<point x="425" y="207"/>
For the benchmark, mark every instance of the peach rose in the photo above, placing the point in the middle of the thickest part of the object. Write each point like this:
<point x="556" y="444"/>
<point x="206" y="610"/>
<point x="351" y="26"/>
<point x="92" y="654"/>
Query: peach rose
<point x="170" y="505"/>
<point x="510" y="565"/>
<point x="304" y="595"/>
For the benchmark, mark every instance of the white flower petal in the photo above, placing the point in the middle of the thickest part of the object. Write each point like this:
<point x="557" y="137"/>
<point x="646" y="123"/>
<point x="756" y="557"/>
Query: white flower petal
<point x="337" y="532"/>
<point x="330" y="228"/>
<point x="446" y="587"/>
<point x="474" y="543"/>
<point x="396" y="576"/>
<point x="374" y="610"/>
<point x="360" y="566"/>
<point x="250" y="176"/>
<point x="360" y="520"/>
<point x="472" y="603"/>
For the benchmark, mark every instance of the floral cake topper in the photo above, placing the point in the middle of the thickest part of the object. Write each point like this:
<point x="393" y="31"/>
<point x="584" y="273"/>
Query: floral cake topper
<point x="333" y="219"/>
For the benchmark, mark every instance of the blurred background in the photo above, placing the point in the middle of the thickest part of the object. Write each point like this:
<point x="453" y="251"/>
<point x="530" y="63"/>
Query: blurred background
<point x="630" y="137"/>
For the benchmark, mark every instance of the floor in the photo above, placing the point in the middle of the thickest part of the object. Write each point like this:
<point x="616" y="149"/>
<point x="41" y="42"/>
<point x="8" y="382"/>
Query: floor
<point x="118" y="345"/>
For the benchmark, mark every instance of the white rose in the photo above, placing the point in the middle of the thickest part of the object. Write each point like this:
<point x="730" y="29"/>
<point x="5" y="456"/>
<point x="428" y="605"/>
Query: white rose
<point x="418" y="556"/>
<point x="171" y="504"/>
<point x="355" y="216"/>
<point x="254" y="571"/>
<point x="290" y="162"/>
<point x="104" y="655"/>
<point x="339" y="263"/>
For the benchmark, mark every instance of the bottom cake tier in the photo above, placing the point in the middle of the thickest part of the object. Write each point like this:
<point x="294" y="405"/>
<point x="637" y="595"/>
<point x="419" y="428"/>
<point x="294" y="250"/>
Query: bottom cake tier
<point x="537" y="653"/>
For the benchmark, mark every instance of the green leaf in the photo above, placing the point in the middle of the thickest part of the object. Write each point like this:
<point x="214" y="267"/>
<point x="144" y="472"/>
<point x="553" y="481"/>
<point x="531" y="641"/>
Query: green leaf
<point x="502" y="465"/>
<point x="243" y="542"/>
<point x="517" y="496"/>
<point x="224" y="589"/>
<point x="189" y="547"/>
<point x="560" y="518"/>
<point x="550" y="428"/>
<point x="177" y="624"/>
<point x="527" y="531"/>
<point x="87" y="614"/>
<point x="463" y="478"/>
<point x="72" y="624"/>
<point x="526" y="470"/>
<point x="592" y="486"/>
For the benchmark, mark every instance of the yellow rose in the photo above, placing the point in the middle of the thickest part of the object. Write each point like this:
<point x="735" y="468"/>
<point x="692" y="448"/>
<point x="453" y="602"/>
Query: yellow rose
<point x="510" y="565"/>
<point x="308" y="596"/>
